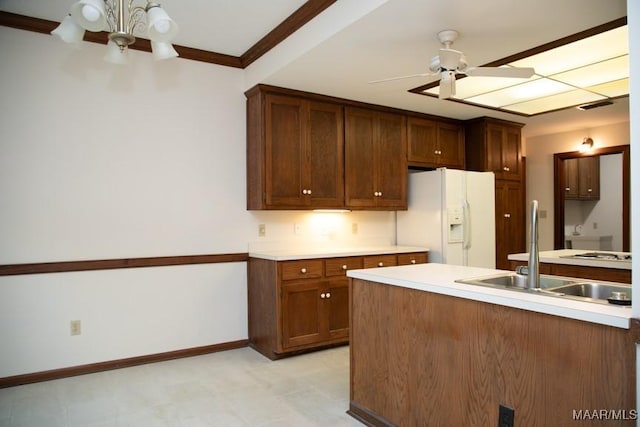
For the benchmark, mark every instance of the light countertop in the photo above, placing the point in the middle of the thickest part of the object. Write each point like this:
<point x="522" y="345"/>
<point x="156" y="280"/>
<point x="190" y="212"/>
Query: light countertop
<point x="560" y="257"/>
<point x="440" y="278"/>
<point x="311" y="252"/>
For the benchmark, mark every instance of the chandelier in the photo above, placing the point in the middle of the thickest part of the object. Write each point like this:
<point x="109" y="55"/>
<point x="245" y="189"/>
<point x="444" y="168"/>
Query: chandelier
<point x="122" y="23"/>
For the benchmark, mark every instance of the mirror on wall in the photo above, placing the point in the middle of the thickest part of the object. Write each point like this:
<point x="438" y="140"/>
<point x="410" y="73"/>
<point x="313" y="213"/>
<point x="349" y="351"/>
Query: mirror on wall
<point x="591" y="199"/>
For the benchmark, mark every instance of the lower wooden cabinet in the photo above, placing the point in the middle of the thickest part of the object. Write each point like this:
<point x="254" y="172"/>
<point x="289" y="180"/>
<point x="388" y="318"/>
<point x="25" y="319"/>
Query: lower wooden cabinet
<point x="302" y="305"/>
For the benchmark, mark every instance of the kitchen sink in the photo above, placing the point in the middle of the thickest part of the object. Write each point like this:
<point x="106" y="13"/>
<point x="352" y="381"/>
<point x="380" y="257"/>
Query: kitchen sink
<point x="515" y="280"/>
<point x="614" y="293"/>
<point x="596" y="290"/>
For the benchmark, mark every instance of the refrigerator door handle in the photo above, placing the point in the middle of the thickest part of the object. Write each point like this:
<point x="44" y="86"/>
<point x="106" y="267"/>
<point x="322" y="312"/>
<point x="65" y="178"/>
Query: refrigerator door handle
<point x="466" y="224"/>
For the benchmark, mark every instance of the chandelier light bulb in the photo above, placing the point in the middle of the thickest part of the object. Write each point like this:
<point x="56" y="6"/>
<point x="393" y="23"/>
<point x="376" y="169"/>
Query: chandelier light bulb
<point x="90" y="13"/>
<point x="163" y="27"/>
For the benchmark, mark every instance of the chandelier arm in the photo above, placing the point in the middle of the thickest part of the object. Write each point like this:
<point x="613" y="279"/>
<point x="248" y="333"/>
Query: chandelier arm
<point x="112" y="20"/>
<point x="136" y="17"/>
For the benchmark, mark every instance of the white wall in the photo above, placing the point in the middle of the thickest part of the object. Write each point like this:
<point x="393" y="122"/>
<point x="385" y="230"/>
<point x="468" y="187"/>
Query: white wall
<point x="100" y="162"/>
<point x="539" y="153"/>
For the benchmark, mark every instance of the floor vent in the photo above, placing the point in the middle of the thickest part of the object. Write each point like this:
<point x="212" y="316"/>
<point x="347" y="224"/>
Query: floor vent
<point x="594" y="105"/>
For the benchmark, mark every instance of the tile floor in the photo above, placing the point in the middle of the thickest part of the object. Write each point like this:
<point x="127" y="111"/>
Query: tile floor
<point x="231" y="388"/>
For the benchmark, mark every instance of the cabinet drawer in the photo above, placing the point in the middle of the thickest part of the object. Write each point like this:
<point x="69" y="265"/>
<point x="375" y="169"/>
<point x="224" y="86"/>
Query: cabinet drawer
<point x="339" y="266"/>
<point x="413" y="258"/>
<point x="380" y="261"/>
<point x="302" y="269"/>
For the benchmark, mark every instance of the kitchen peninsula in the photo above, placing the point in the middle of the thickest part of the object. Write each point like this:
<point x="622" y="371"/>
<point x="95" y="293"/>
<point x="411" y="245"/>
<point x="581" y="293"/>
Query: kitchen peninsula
<point x="595" y="265"/>
<point x="426" y="349"/>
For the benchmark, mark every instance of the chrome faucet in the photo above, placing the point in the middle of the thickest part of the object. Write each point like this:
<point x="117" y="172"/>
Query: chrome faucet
<point x="533" y="276"/>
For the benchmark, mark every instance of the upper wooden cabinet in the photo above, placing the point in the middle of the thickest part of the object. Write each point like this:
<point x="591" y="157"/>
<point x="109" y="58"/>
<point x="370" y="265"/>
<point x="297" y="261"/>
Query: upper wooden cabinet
<point x="295" y="153"/>
<point x="375" y="159"/>
<point x="494" y="145"/>
<point x="433" y="143"/>
<point x="582" y="178"/>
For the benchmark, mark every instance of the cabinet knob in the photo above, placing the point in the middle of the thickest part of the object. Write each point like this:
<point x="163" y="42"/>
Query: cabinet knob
<point x="381" y="264"/>
<point x="413" y="261"/>
<point x="568" y="189"/>
<point x="507" y="215"/>
<point x="305" y="191"/>
<point x="344" y="266"/>
<point x="589" y="190"/>
<point x="328" y="294"/>
<point x="303" y="270"/>
<point x="323" y="296"/>
<point x="506" y="168"/>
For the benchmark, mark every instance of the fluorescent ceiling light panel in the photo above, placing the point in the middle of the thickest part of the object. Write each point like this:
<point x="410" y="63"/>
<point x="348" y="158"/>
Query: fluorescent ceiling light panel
<point x="555" y="102"/>
<point x="522" y="92"/>
<point x="601" y="72"/>
<point x="612" y="89"/>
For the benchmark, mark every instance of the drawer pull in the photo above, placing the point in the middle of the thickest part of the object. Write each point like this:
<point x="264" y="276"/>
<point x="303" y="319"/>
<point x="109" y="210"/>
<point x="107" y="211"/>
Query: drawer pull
<point x="328" y="294"/>
<point x="506" y="168"/>
<point x="323" y="295"/>
<point x="344" y="266"/>
<point x="568" y="189"/>
<point x="413" y="261"/>
<point x="381" y="264"/>
<point x="507" y="215"/>
<point x="303" y="270"/>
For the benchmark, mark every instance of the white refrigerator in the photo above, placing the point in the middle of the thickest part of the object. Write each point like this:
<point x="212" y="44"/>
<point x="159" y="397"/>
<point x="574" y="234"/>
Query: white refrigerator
<point x="451" y="212"/>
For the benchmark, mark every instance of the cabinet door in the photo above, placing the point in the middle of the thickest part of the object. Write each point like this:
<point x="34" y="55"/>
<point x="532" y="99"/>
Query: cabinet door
<point x="450" y="146"/>
<point x="337" y="308"/>
<point x="391" y="161"/>
<point x="503" y="151"/>
<point x="302" y="311"/>
<point x="326" y="148"/>
<point x="511" y="155"/>
<point x="510" y="221"/>
<point x="589" y="177"/>
<point x="422" y="144"/>
<point x="360" y="158"/>
<point x="571" y="181"/>
<point x="286" y="174"/>
<point x="494" y="149"/>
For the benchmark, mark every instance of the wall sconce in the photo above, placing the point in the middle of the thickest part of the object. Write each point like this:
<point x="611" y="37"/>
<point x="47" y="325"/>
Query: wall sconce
<point x="587" y="145"/>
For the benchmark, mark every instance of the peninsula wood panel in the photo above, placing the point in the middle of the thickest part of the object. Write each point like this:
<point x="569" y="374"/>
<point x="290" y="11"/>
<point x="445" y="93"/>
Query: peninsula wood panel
<point x="419" y="358"/>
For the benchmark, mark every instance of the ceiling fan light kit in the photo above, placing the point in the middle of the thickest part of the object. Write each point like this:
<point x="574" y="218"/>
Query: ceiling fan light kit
<point x="122" y="22"/>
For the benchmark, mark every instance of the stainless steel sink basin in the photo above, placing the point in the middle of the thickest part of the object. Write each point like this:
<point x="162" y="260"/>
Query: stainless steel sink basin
<point x="614" y="293"/>
<point x="596" y="290"/>
<point x="514" y="280"/>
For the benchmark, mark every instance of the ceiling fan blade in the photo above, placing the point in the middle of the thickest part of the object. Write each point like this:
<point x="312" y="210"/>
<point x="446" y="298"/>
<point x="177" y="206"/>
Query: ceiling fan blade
<point x="522" y="73"/>
<point x="400" y="77"/>
<point x="447" y="85"/>
<point x="449" y="58"/>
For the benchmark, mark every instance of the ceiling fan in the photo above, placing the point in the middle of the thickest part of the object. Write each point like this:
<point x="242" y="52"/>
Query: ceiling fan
<point x="450" y="62"/>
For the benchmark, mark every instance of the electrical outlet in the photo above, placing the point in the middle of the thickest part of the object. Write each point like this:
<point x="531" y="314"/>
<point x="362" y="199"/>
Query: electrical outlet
<point x="354" y="228"/>
<point x="75" y="327"/>
<point x="262" y="230"/>
<point x="506" y="416"/>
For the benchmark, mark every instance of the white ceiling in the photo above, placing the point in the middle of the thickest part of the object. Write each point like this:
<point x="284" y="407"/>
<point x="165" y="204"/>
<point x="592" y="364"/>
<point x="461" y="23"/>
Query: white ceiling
<point x="396" y="38"/>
